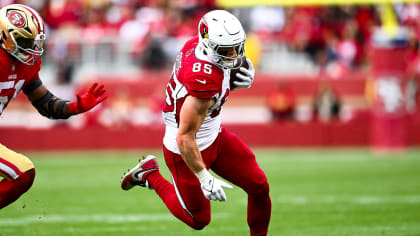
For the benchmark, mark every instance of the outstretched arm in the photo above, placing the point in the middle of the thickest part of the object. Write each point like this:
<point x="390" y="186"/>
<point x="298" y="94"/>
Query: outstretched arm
<point x="193" y="113"/>
<point x="55" y="108"/>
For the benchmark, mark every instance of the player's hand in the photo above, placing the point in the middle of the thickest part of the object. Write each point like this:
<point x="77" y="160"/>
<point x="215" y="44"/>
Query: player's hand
<point x="86" y="101"/>
<point x="212" y="188"/>
<point x="246" y="76"/>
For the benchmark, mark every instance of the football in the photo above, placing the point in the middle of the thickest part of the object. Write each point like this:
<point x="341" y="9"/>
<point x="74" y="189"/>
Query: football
<point x="233" y="72"/>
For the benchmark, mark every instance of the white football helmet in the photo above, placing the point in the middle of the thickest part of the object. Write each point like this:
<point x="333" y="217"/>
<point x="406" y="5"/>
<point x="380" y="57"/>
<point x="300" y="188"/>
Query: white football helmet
<point x="22" y="33"/>
<point x="219" y="30"/>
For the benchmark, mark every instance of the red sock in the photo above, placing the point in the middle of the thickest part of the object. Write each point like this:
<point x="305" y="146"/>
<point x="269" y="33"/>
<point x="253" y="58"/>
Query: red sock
<point x="11" y="190"/>
<point x="259" y="212"/>
<point x="166" y="192"/>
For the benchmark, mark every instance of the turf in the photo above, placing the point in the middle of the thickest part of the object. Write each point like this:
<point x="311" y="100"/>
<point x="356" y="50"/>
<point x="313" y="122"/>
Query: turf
<point x="314" y="192"/>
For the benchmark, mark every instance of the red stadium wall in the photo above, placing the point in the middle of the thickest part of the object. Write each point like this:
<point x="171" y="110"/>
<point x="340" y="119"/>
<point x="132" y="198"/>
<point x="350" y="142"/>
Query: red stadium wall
<point x="272" y="134"/>
<point x="281" y="134"/>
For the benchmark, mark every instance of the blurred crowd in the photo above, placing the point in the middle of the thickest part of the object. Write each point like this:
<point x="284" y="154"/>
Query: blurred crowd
<point x="146" y="28"/>
<point x="152" y="31"/>
<point x="337" y="38"/>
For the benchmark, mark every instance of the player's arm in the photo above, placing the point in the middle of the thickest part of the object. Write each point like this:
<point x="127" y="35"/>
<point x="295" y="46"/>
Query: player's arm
<point x="53" y="107"/>
<point x="193" y="113"/>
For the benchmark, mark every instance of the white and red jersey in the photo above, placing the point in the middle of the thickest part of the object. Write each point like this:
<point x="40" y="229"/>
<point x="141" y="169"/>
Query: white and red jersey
<point x="194" y="75"/>
<point x="14" y="75"/>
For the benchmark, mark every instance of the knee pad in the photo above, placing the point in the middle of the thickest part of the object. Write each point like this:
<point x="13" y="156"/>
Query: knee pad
<point x="201" y="221"/>
<point x="259" y="188"/>
<point x="264" y="189"/>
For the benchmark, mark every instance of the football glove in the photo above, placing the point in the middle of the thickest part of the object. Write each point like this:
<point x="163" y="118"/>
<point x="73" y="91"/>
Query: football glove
<point x="212" y="188"/>
<point x="86" y="101"/>
<point x="246" y="76"/>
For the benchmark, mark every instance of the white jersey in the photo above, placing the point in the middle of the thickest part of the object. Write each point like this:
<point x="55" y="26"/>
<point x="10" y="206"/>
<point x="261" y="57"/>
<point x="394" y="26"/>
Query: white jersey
<point x="194" y="75"/>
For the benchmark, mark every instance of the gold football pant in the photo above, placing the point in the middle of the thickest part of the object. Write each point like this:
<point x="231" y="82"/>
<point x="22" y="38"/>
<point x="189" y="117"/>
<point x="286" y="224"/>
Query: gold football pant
<point x="13" y="164"/>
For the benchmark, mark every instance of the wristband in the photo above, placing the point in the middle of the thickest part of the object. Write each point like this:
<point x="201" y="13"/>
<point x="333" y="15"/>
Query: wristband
<point x="202" y="174"/>
<point x="73" y="108"/>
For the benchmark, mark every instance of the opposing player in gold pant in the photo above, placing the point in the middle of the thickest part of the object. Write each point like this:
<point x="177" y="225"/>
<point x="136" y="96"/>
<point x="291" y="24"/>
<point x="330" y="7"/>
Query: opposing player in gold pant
<point x="18" y="175"/>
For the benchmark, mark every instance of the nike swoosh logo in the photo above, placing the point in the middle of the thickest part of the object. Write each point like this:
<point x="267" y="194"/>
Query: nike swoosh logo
<point x="141" y="171"/>
<point x="201" y="81"/>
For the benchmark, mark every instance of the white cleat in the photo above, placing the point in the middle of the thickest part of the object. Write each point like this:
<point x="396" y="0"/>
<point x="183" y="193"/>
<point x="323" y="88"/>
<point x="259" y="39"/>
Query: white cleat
<point x="138" y="174"/>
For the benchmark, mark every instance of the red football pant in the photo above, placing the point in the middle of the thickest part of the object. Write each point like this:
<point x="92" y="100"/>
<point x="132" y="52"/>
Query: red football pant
<point x="11" y="190"/>
<point x="231" y="159"/>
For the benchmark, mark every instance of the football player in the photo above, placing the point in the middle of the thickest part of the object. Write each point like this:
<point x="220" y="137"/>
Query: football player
<point x="22" y="35"/>
<point x="194" y="139"/>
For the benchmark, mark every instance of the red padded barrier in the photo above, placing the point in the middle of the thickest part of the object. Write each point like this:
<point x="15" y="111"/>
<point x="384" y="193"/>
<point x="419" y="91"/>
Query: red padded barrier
<point x="276" y="134"/>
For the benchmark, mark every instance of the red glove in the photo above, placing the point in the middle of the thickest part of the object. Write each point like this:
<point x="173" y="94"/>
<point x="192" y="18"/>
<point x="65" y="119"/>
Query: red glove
<point x="88" y="100"/>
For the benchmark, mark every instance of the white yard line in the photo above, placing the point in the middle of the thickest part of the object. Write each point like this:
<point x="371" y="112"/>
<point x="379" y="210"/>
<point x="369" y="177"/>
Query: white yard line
<point x="362" y="200"/>
<point x="97" y="218"/>
<point x="144" y="229"/>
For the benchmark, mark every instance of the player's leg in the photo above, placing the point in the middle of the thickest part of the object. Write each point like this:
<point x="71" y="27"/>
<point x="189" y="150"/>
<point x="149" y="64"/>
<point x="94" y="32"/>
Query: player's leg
<point x="184" y="198"/>
<point x="236" y="163"/>
<point x="18" y="175"/>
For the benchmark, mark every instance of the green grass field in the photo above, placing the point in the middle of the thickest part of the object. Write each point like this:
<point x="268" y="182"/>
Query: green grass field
<point x="314" y="192"/>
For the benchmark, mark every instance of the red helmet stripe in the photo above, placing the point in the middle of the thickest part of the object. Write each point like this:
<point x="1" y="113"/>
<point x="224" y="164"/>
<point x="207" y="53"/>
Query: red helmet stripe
<point x="38" y="18"/>
<point x="11" y="170"/>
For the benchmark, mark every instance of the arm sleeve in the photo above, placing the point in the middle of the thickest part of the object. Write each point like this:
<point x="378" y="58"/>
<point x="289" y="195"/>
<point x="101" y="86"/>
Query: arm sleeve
<point x="48" y="105"/>
<point x="32" y="86"/>
<point x="51" y="106"/>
